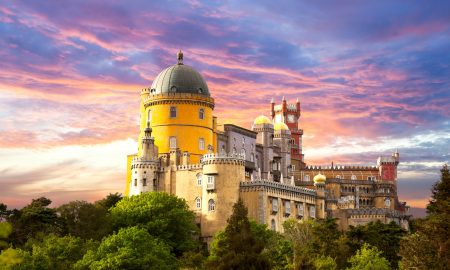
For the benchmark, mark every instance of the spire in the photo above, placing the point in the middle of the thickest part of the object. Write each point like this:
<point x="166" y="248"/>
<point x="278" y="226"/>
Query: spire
<point x="284" y="99"/>
<point x="180" y="57"/>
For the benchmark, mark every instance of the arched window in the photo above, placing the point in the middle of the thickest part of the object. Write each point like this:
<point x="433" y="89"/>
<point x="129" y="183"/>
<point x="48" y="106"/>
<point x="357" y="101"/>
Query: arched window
<point x="201" y="113"/>
<point x="135" y="182"/>
<point x="306" y="178"/>
<point x="198" y="203"/>
<point x="353" y="177"/>
<point x="273" y="225"/>
<point x="199" y="179"/>
<point x="211" y="205"/>
<point x="149" y="116"/>
<point x="173" y="142"/>
<point x="201" y="144"/>
<point x="144" y="182"/>
<point x="252" y="157"/>
<point x="173" y="112"/>
<point x="243" y="153"/>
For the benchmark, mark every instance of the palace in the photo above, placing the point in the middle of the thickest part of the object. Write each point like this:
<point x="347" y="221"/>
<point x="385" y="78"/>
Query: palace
<point x="183" y="151"/>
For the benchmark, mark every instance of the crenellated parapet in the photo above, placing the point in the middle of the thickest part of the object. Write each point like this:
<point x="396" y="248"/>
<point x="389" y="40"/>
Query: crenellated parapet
<point x="277" y="187"/>
<point x="368" y="212"/>
<point x="178" y="98"/>
<point x="341" y="167"/>
<point x="189" y="167"/>
<point x="222" y="158"/>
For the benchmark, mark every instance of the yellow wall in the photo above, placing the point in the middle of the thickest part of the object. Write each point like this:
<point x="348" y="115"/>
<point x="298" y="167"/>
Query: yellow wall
<point x="129" y="159"/>
<point x="187" y="127"/>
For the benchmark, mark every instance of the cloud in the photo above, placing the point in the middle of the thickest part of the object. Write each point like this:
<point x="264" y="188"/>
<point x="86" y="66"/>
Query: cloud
<point x="371" y="77"/>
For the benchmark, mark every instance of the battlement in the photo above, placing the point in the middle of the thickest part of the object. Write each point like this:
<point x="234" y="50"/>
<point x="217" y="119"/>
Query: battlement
<point x="222" y="158"/>
<point x="277" y="186"/>
<point x="340" y="168"/>
<point x="189" y="167"/>
<point x="163" y="98"/>
<point x="384" y="212"/>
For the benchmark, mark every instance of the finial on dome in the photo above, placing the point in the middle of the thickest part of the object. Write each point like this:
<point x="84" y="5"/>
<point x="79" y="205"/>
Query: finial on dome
<point x="180" y="57"/>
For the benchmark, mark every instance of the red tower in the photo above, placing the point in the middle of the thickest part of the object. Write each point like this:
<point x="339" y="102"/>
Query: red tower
<point x="290" y="115"/>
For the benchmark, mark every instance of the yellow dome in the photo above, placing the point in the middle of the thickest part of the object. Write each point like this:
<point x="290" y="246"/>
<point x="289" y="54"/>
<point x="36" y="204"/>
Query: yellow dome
<point x="262" y="120"/>
<point x="320" y="178"/>
<point x="281" y="126"/>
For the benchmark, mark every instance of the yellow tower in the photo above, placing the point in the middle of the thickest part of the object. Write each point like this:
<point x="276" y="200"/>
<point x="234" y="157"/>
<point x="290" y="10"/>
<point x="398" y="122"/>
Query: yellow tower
<point x="179" y="109"/>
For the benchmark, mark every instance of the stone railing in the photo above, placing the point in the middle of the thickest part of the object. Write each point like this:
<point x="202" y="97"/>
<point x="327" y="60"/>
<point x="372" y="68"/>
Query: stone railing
<point x="189" y="167"/>
<point x="375" y="211"/>
<point x="340" y="167"/>
<point x="221" y="156"/>
<point x="276" y="185"/>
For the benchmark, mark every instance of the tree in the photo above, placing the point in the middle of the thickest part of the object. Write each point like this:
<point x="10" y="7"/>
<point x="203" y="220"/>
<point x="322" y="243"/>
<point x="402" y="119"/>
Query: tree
<point x="428" y="247"/>
<point x="53" y="252"/>
<point x="130" y="248"/>
<point x="34" y="218"/>
<point x="85" y="220"/>
<point x="302" y="236"/>
<point x="368" y="258"/>
<point x="4" y="213"/>
<point x="438" y="219"/>
<point x="325" y="263"/>
<point x="110" y="200"/>
<point x="237" y="247"/>
<point x="9" y="256"/>
<point x="164" y="216"/>
<point x="385" y="237"/>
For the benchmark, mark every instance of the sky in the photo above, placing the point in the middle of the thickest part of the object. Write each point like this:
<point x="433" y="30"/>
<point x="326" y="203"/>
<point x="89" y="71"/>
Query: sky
<point x="371" y="76"/>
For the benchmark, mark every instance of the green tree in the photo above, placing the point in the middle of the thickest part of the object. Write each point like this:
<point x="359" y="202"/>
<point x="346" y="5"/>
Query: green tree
<point x="438" y="219"/>
<point x="53" y="252"/>
<point x="325" y="263"/>
<point x="385" y="237"/>
<point x="237" y="247"/>
<point x="368" y="258"/>
<point x="34" y="218"/>
<point x="164" y="216"/>
<point x="302" y="237"/>
<point x="110" y="200"/>
<point x="9" y="256"/>
<point x="130" y="248"/>
<point x="428" y="247"/>
<point x="85" y="220"/>
<point x="4" y="212"/>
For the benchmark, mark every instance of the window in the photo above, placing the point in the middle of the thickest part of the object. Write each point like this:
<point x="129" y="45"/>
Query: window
<point x="135" y="182"/>
<point x="300" y="210"/>
<point x="274" y="205"/>
<point x="155" y="184"/>
<point x="173" y="142"/>
<point x="252" y="157"/>
<point x="210" y="183"/>
<point x="201" y="144"/>
<point x="149" y="116"/>
<point x="144" y="182"/>
<point x="306" y="178"/>
<point x="287" y="208"/>
<point x="312" y="211"/>
<point x="371" y="178"/>
<point x="173" y="112"/>
<point x="198" y="203"/>
<point x="353" y="177"/>
<point x="211" y="205"/>
<point x="293" y="167"/>
<point x="199" y="179"/>
<point x="201" y="113"/>
<point x="338" y="177"/>
<point x="273" y="225"/>
<point x="243" y="153"/>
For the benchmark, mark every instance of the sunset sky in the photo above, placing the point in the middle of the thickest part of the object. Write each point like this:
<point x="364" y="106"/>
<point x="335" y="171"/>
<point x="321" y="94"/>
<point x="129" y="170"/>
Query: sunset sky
<point x="372" y="77"/>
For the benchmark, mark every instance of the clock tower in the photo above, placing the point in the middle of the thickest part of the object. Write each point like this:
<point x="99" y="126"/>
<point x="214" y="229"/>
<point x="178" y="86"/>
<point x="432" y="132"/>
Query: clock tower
<point x="289" y="114"/>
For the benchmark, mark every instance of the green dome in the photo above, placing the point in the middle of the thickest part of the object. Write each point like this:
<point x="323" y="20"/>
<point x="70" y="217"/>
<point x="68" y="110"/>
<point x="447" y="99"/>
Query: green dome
<point x="179" y="78"/>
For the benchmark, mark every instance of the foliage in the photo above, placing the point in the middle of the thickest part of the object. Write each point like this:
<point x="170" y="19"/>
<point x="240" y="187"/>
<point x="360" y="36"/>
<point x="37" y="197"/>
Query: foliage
<point x="5" y="231"/>
<point x="238" y="247"/>
<point x="164" y="216"/>
<point x="429" y="246"/>
<point x="385" y="237"/>
<point x="9" y="258"/>
<point x="130" y="248"/>
<point x="85" y="220"/>
<point x="52" y="252"/>
<point x="34" y="218"/>
<point x="110" y="200"/>
<point x="4" y="212"/>
<point x="368" y="258"/>
<point x="325" y="263"/>
<point x="302" y="236"/>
